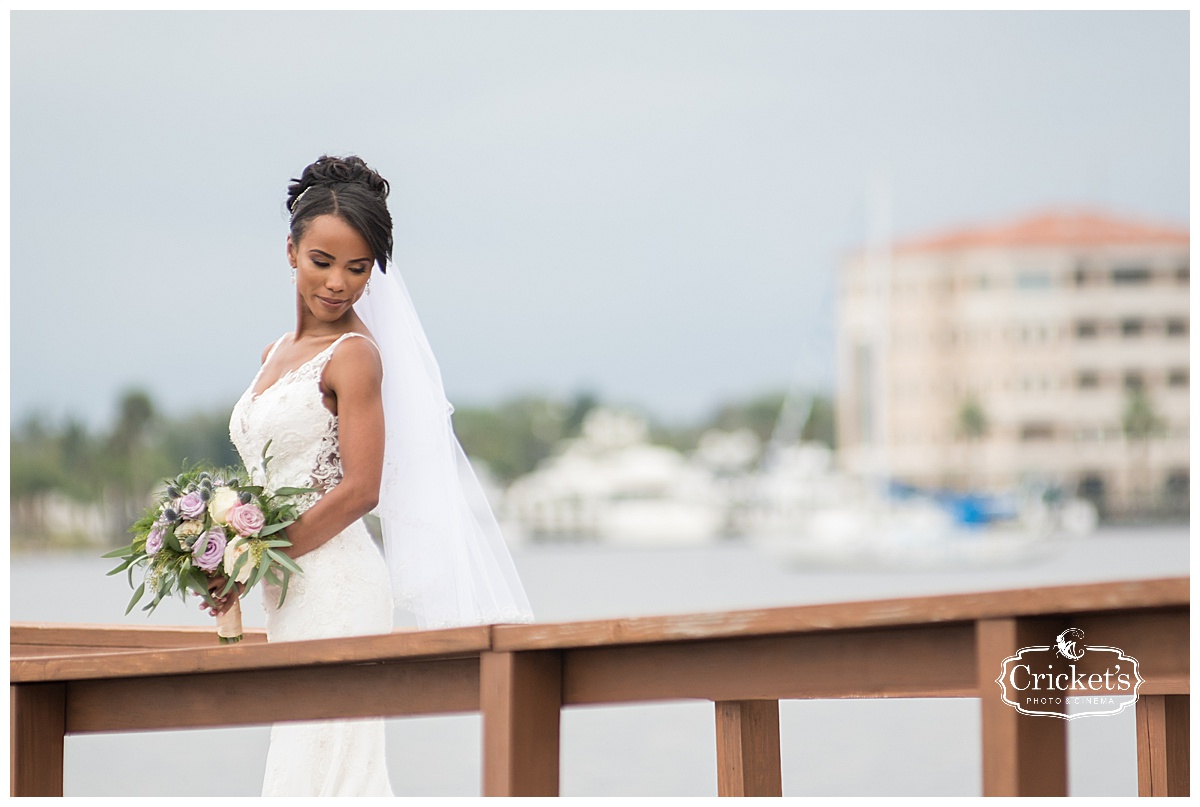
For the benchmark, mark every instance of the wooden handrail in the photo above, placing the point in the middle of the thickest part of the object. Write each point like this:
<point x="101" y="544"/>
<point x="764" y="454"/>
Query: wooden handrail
<point x="80" y="679"/>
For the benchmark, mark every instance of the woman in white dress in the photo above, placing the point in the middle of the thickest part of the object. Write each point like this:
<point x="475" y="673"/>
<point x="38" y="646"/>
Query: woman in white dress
<point x="317" y="399"/>
<point x="320" y="400"/>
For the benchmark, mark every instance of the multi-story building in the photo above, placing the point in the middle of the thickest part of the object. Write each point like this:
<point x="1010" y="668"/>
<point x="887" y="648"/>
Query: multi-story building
<point x="983" y="357"/>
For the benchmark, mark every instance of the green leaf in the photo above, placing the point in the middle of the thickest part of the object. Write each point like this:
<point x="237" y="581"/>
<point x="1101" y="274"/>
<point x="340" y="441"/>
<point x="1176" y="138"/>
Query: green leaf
<point x="287" y="576"/>
<point x="118" y="553"/>
<point x="272" y="577"/>
<point x="274" y="528"/>
<point x="284" y="561"/>
<point x="294" y="491"/>
<point x="153" y="603"/>
<point x="254" y="490"/>
<point x="258" y="573"/>
<point x="198" y="583"/>
<point x="137" y="595"/>
<point x="267" y="446"/>
<point x="170" y="541"/>
<point x="121" y="568"/>
<point x="275" y="543"/>
<point x="240" y="563"/>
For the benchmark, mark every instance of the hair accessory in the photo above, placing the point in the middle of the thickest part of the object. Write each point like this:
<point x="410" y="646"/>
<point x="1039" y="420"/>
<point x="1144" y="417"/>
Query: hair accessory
<point x="296" y="201"/>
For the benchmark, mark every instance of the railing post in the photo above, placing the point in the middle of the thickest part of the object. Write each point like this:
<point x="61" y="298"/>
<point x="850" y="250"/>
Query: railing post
<point x="520" y="699"/>
<point x="37" y="725"/>
<point x="1022" y="755"/>
<point x="1163" y="746"/>
<point x="748" y="748"/>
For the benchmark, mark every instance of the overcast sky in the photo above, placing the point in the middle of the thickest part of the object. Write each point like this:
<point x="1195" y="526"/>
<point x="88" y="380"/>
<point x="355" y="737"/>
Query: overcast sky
<point x="652" y="206"/>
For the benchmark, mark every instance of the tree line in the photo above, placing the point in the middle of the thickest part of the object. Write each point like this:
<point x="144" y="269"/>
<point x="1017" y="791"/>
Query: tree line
<point x="112" y="470"/>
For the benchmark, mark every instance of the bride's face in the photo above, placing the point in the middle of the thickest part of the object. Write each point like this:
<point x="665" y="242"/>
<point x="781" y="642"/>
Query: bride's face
<point x="333" y="263"/>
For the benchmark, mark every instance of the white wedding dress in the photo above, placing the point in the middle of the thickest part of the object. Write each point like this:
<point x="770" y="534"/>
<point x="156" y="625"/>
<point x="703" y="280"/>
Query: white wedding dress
<point x="344" y="590"/>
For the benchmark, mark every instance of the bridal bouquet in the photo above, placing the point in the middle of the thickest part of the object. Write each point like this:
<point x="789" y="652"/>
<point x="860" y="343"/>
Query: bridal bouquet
<point x="206" y="524"/>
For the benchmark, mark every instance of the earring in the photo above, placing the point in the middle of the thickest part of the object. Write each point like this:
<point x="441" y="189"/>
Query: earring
<point x="368" y="289"/>
<point x="293" y="276"/>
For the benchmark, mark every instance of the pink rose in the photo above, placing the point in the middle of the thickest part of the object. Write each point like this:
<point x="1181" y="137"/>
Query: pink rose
<point x="192" y="505"/>
<point x="154" y="541"/>
<point x="246" y="519"/>
<point x="214" y="549"/>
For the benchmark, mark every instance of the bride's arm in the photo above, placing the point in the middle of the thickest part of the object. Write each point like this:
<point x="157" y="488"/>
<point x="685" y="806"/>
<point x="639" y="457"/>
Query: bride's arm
<point x="353" y="377"/>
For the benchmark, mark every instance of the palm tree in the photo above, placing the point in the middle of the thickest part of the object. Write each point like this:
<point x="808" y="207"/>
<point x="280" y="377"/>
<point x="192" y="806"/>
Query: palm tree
<point x="130" y="474"/>
<point x="1139" y="422"/>
<point x="972" y="425"/>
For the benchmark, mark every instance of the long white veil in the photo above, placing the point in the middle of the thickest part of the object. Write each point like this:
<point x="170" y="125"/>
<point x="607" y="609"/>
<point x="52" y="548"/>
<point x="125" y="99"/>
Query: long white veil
<point x="448" y="561"/>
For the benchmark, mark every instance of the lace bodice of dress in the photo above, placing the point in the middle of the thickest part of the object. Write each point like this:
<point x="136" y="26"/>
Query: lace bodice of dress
<point x="303" y="434"/>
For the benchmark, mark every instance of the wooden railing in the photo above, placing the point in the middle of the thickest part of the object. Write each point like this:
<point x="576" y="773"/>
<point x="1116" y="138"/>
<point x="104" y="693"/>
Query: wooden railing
<point x="83" y="679"/>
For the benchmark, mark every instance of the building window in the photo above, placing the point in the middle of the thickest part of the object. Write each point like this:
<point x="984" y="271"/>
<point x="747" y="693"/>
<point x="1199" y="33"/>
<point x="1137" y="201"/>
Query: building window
<point x="1177" y="327"/>
<point x="1037" y="431"/>
<point x="1177" y="378"/>
<point x="1132" y="327"/>
<point x="1134" y="380"/>
<point x="1034" y="280"/>
<point x="1088" y="380"/>
<point x="1131" y="276"/>
<point x="1085" y="329"/>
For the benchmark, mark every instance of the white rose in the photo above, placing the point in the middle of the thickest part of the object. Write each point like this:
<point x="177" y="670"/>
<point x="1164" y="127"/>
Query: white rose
<point x="222" y="501"/>
<point x="234" y="550"/>
<point x="188" y="529"/>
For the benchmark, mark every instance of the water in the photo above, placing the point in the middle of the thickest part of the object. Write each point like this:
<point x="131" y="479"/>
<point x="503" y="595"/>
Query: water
<point x="899" y="747"/>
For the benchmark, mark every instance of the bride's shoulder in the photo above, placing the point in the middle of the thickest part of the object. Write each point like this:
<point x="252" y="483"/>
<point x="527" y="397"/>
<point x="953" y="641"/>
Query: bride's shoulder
<point x="269" y="349"/>
<point x="355" y="358"/>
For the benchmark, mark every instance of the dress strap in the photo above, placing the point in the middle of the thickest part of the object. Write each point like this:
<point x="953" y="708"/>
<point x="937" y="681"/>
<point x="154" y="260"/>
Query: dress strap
<point x="327" y="353"/>
<point x="274" y="347"/>
<point x="338" y="341"/>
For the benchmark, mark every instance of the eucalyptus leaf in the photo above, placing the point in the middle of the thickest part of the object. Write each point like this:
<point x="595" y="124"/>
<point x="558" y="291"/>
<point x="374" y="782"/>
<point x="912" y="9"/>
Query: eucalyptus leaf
<point x="287" y="576"/>
<point x="240" y="563"/>
<point x="274" y="528"/>
<point x="118" y="553"/>
<point x="283" y="560"/>
<point x="294" y="491"/>
<point x="121" y="568"/>
<point x="258" y="573"/>
<point x="137" y="595"/>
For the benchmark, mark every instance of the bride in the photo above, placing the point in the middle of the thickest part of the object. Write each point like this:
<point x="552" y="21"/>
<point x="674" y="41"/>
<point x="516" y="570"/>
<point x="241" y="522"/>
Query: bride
<point x="351" y="404"/>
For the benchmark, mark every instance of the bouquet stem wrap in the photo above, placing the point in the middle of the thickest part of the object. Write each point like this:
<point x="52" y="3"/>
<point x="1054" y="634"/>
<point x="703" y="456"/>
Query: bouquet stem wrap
<point x="229" y="624"/>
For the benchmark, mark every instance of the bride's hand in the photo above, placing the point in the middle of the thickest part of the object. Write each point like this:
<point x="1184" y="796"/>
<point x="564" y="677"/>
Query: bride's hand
<point x="215" y="584"/>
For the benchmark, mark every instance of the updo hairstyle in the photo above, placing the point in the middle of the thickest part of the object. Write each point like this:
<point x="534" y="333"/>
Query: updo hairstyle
<point x="348" y="188"/>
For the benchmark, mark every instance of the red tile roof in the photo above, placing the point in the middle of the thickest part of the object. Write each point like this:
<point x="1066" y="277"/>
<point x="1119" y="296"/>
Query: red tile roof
<point x="1052" y="229"/>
